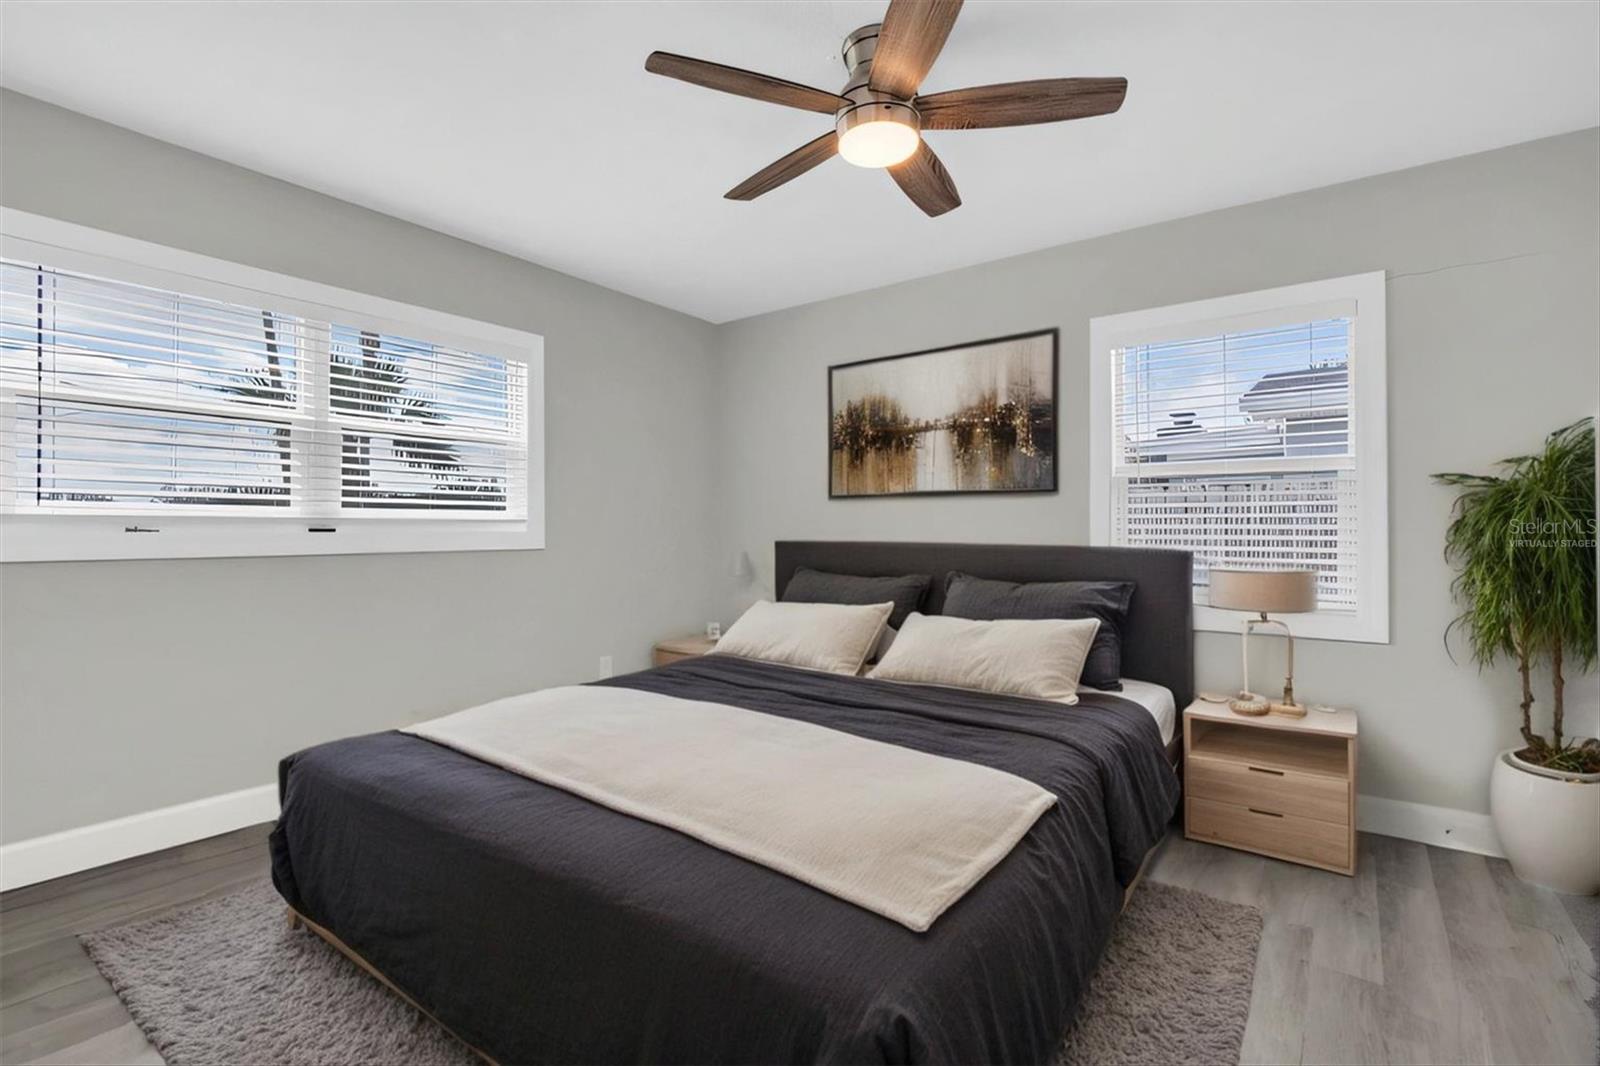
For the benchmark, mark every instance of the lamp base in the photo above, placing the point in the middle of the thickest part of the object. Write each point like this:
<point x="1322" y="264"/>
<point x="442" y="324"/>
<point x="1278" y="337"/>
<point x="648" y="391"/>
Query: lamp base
<point x="1249" y="703"/>
<point x="1289" y="710"/>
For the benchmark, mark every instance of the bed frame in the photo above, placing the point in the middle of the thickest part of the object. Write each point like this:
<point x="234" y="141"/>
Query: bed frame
<point x="298" y="921"/>
<point x="1157" y="645"/>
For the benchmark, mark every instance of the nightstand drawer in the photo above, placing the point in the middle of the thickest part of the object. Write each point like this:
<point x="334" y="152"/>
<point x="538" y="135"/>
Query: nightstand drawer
<point x="1326" y="799"/>
<point x="1287" y="836"/>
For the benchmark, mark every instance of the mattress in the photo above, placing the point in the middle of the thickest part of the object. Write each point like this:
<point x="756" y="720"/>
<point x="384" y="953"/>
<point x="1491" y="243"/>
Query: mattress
<point x="1157" y="699"/>
<point x="542" y="927"/>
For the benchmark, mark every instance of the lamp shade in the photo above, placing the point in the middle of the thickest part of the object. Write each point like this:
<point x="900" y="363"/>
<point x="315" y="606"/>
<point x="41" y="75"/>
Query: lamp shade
<point x="1266" y="591"/>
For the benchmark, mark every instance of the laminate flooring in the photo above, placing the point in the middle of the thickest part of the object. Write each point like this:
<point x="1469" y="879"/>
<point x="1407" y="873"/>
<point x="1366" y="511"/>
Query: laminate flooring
<point x="1425" y="956"/>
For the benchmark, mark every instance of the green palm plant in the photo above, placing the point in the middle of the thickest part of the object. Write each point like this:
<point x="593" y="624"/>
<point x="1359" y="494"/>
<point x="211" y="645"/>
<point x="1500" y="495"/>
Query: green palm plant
<point x="1522" y="543"/>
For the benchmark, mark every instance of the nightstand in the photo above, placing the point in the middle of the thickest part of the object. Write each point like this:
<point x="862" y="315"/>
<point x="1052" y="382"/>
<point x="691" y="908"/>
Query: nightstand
<point x="670" y="651"/>
<point x="1282" y="787"/>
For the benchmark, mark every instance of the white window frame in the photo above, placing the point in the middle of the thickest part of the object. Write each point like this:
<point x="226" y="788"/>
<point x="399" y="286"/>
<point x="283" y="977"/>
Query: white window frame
<point x="1369" y="420"/>
<point x="57" y="537"/>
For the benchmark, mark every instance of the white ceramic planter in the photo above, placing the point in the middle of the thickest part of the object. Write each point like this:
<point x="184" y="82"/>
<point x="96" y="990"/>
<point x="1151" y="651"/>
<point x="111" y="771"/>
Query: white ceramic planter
<point x="1548" y="826"/>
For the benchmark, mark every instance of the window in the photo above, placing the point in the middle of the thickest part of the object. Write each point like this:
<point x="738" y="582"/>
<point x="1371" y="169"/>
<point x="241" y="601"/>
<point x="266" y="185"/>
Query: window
<point x="1250" y="430"/>
<point x="158" y="403"/>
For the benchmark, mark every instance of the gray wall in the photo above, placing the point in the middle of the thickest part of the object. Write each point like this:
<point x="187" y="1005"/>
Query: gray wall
<point x="132" y="685"/>
<point x="1494" y="339"/>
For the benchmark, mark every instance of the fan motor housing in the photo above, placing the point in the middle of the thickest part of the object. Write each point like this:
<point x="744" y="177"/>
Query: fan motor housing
<point x="859" y="47"/>
<point x="865" y="104"/>
<point x="868" y="106"/>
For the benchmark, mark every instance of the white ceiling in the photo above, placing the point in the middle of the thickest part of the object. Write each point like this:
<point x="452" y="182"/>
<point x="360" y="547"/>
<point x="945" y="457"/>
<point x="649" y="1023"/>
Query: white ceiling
<point x="533" y="128"/>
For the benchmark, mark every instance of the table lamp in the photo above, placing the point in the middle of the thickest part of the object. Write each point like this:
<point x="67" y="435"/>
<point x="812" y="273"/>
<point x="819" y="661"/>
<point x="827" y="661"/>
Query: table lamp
<point x="1263" y="591"/>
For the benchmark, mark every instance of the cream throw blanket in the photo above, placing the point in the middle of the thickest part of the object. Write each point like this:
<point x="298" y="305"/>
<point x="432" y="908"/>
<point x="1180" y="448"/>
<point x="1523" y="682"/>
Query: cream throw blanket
<point x="899" y="832"/>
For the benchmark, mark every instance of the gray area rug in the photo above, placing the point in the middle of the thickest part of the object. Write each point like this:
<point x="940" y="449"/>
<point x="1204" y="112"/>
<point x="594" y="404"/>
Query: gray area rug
<point x="227" y="981"/>
<point x="1174" y="985"/>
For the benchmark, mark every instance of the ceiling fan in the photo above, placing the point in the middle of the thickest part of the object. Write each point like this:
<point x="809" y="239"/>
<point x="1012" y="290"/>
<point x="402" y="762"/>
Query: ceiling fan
<point x="878" y="116"/>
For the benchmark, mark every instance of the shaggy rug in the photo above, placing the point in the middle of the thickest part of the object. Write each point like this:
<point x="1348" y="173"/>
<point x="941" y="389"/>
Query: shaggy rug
<point x="227" y="981"/>
<point x="1173" y="986"/>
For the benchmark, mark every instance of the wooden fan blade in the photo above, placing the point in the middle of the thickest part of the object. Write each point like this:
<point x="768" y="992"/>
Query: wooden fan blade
<point x="1021" y="103"/>
<point x="744" y="83"/>
<point x="786" y="169"/>
<point x="912" y="34"/>
<point x="925" y="180"/>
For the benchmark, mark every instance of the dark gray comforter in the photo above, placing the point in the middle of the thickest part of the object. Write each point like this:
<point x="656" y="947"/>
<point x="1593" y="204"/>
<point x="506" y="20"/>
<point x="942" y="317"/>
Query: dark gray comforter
<point x="544" y="928"/>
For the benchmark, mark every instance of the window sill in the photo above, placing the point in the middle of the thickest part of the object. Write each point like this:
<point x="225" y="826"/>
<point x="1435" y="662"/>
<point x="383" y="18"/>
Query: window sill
<point x="55" y="538"/>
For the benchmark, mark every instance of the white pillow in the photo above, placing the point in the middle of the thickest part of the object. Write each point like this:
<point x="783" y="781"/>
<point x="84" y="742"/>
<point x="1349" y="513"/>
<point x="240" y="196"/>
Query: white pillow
<point x="835" y="637"/>
<point x="1041" y="658"/>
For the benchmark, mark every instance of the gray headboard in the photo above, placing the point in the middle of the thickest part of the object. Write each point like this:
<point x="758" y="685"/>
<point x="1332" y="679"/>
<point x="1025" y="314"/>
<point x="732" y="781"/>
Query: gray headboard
<point x="1158" y="645"/>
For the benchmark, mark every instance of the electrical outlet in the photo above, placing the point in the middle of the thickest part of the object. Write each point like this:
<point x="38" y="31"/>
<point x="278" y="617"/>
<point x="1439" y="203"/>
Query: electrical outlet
<point x="605" y="667"/>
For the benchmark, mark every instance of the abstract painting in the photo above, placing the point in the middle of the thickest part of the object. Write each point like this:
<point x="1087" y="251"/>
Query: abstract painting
<point x="975" y="417"/>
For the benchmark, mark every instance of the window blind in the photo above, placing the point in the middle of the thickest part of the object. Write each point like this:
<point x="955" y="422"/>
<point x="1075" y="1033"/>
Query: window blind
<point x="426" y="428"/>
<point x="1236" y="446"/>
<point x="120" y="398"/>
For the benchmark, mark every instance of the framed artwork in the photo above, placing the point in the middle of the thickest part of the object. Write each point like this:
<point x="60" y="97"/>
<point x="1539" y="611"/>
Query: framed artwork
<point x="975" y="417"/>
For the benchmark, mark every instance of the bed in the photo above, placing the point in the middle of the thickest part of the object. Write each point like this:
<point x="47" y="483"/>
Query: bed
<point x="542" y="927"/>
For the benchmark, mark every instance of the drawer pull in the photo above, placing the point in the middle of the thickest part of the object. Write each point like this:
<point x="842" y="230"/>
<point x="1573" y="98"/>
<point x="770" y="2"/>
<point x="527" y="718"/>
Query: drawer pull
<point x="1264" y="770"/>
<point x="1269" y="814"/>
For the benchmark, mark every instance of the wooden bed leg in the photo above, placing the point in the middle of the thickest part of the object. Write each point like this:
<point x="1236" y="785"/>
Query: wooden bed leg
<point x="1144" y="864"/>
<point x="294" y="918"/>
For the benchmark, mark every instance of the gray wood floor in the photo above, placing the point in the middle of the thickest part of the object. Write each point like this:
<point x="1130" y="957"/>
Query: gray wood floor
<point x="1427" y="956"/>
<point x="54" y="1005"/>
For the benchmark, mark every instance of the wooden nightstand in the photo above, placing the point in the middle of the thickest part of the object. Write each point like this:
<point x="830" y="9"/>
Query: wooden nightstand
<point x="670" y="651"/>
<point x="1283" y="787"/>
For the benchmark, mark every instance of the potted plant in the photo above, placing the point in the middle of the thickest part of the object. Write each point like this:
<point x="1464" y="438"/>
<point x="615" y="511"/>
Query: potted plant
<point x="1523" y="544"/>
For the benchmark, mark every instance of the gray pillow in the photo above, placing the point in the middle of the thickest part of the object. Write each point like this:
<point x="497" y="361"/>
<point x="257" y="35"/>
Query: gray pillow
<point x="819" y="586"/>
<point x="966" y="596"/>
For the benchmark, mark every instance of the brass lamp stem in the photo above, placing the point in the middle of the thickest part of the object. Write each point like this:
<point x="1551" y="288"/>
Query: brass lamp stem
<point x="1250" y="626"/>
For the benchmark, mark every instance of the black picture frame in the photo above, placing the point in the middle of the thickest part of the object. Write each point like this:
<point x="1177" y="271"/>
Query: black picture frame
<point x="1054" y="333"/>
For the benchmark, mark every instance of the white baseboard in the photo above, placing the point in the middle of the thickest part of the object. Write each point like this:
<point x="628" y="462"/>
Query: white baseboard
<point x="42" y="858"/>
<point x="1443" y="827"/>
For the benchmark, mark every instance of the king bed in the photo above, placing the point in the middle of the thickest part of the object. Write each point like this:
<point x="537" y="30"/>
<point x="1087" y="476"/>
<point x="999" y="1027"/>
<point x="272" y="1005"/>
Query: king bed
<point x="543" y="922"/>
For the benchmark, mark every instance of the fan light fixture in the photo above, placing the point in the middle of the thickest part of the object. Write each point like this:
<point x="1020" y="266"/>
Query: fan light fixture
<point x="882" y="135"/>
